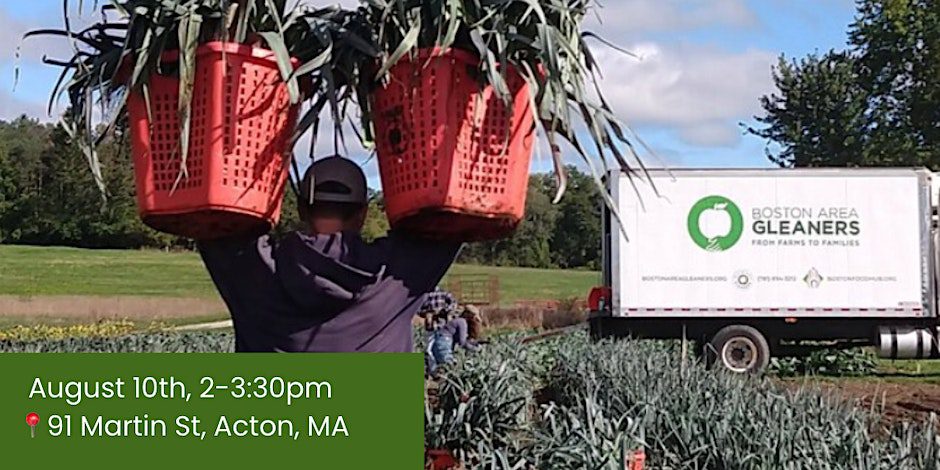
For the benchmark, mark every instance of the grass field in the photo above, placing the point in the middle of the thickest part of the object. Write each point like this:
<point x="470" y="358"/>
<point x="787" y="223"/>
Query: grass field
<point x="909" y="370"/>
<point x="39" y="271"/>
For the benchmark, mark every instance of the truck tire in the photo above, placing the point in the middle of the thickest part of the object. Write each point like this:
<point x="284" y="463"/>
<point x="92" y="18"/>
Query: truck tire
<point x="738" y="348"/>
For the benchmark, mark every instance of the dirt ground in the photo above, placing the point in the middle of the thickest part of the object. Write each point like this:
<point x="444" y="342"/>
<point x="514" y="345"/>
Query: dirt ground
<point x="68" y="308"/>
<point x="896" y="401"/>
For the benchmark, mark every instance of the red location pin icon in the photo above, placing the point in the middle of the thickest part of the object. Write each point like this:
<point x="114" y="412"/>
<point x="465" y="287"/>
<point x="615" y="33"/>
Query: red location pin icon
<point x="32" y="420"/>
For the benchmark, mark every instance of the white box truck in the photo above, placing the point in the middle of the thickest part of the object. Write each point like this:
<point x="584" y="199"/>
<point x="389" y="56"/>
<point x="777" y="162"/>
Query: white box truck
<point x="755" y="263"/>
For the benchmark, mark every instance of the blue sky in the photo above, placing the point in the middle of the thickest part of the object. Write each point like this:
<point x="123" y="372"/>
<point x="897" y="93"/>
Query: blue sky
<point x="703" y="65"/>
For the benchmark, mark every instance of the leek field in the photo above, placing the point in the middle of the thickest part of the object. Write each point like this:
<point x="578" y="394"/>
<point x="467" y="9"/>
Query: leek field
<point x="570" y="403"/>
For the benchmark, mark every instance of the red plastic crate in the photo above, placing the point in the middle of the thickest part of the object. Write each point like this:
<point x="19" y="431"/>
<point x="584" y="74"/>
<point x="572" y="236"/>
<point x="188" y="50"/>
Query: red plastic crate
<point x="454" y="163"/>
<point x="242" y="121"/>
<point x="440" y="459"/>
<point x="636" y="460"/>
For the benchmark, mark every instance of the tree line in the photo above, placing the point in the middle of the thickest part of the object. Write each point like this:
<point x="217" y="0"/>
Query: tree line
<point x="48" y="197"/>
<point x="563" y="235"/>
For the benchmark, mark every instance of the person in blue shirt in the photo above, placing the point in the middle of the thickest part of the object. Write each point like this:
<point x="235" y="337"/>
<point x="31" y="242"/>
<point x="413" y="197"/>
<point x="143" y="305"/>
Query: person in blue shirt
<point x="448" y="332"/>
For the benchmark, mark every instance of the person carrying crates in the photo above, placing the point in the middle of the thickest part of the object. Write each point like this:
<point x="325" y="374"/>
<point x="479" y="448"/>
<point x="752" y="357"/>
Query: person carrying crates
<point x="325" y="289"/>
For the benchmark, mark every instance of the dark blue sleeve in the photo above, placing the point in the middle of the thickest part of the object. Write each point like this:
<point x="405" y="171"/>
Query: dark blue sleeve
<point x="242" y="269"/>
<point x="420" y="264"/>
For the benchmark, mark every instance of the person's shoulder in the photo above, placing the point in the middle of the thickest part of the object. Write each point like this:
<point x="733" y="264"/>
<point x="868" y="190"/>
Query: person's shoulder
<point x="237" y="253"/>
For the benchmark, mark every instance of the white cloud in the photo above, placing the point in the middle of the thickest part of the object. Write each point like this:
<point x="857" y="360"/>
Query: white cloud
<point x="700" y="92"/>
<point x="619" y="18"/>
<point x="711" y="134"/>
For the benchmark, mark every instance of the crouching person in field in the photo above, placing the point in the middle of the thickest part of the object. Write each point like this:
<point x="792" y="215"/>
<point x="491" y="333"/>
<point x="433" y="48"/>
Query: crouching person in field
<point x="474" y="318"/>
<point x="447" y="333"/>
<point x="324" y="289"/>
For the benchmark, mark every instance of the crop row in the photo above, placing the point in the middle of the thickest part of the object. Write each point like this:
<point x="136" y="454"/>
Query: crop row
<point x="155" y="342"/>
<point x="571" y="403"/>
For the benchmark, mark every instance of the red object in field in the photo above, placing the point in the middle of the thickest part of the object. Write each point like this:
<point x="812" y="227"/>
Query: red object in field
<point x="454" y="161"/>
<point x="599" y="298"/>
<point x="441" y="460"/>
<point x="636" y="460"/>
<point x="241" y="126"/>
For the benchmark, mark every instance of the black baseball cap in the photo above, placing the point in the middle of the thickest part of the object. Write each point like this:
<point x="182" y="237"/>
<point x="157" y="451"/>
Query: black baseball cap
<point x="334" y="179"/>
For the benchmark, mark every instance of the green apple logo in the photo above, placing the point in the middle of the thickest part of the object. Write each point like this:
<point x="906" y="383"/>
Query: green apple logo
<point x="715" y="223"/>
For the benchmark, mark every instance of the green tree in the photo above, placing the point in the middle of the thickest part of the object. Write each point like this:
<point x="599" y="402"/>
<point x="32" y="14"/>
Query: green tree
<point x="376" y="221"/>
<point x="22" y="143"/>
<point x="290" y="218"/>
<point x="116" y="223"/>
<point x="898" y="47"/>
<point x="817" y="115"/>
<point x="48" y="195"/>
<point x="576" y="237"/>
<point x="8" y="193"/>
<point x="530" y="246"/>
<point x="876" y="104"/>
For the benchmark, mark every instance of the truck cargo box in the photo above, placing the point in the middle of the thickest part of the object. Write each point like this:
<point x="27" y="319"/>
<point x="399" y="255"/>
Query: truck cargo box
<point x="772" y="243"/>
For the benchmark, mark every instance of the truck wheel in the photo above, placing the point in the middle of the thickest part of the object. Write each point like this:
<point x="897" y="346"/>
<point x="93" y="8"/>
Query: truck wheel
<point x="738" y="348"/>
